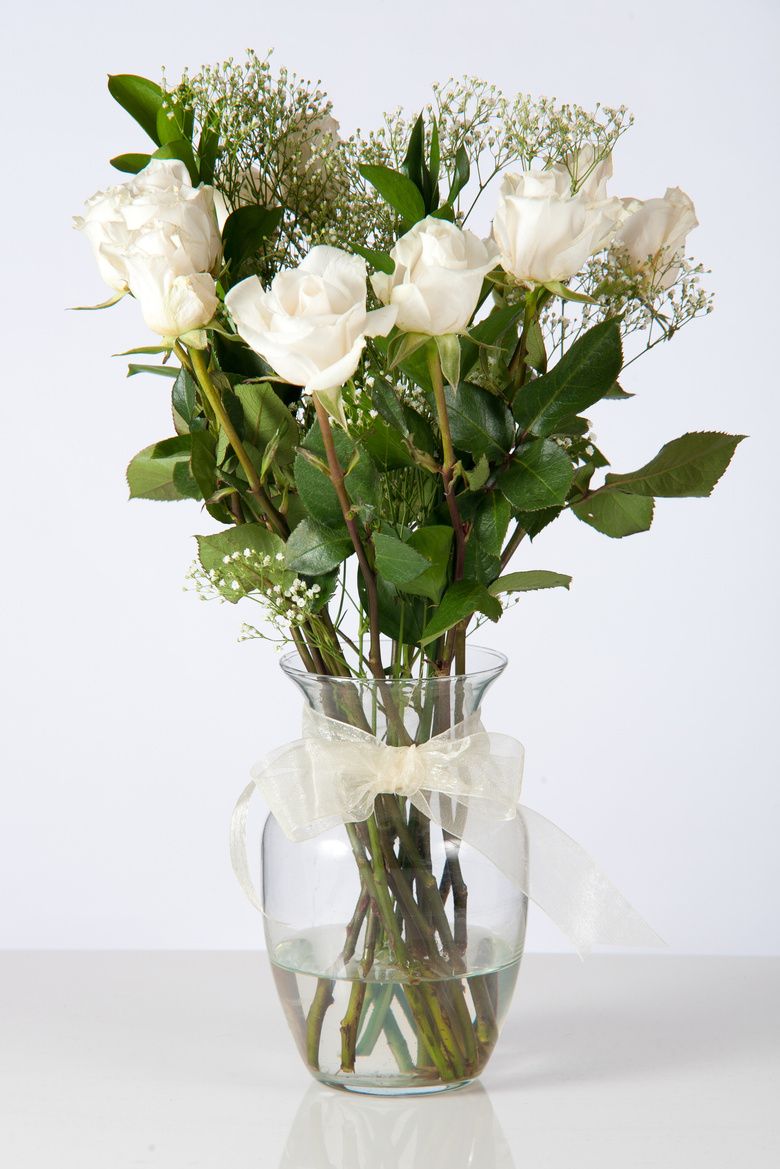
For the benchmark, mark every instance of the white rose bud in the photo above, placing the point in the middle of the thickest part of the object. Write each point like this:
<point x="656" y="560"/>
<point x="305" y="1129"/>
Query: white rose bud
<point x="172" y="303"/>
<point x="311" y="324"/>
<point x="545" y="235"/>
<point x="159" y="199"/>
<point x="439" y="270"/>
<point x="652" y="239"/>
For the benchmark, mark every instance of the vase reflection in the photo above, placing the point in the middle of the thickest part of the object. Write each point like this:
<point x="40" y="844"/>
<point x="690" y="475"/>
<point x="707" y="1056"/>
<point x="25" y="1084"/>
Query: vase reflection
<point x="459" y="1130"/>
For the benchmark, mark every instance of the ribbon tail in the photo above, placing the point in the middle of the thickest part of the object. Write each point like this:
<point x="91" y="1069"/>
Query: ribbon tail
<point x="563" y="879"/>
<point x="238" y="853"/>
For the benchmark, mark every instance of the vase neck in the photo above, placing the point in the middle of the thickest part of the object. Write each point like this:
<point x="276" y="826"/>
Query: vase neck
<point x="399" y="710"/>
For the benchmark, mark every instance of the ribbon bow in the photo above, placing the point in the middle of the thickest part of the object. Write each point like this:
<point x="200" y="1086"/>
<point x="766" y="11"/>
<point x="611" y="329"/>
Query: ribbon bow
<point x="468" y="782"/>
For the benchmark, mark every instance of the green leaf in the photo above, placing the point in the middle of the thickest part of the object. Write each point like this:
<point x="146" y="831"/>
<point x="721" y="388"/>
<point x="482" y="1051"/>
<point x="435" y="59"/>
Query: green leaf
<point x="204" y="471"/>
<point x="184" y="397"/>
<point x="181" y="149"/>
<point x="245" y="230"/>
<point x="461" y="174"/>
<point x="435" y="152"/>
<point x="265" y="415"/>
<point x="386" y="446"/>
<point x="208" y="153"/>
<point x="448" y="347"/>
<point x="413" y="165"/>
<point x="402" y="346"/>
<point x="558" y="289"/>
<point x="533" y="522"/>
<point x="261" y="542"/>
<point x="617" y="393"/>
<point x="686" y="466"/>
<point x="160" y="370"/>
<point x="316" y="489"/>
<point x="525" y="582"/>
<point x="479" y="564"/>
<point x="460" y="600"/>
<point x="480" y="423"/>
<point x="130" y="164"/>
<point x="379" y="261"/>
<point x="140" y="97"/>
<point x="585" y="373"/>
<point x="314" y="548"/>
<point x="539" y="475"/>
<point x="396" y="561"/>
<point x="184" y="481"/>
<point x="397" y="190"/>
<point x="491" y="522"/>
<point x="616" y="514"/>
<point x="256" y="537"/>
<point x="401" y="617"/>
<point x="536" y="354"/>
<point x="328" y="582"/>
<point x="435" y="544"/>
<point x="150" y="474"/>
<point x="479" y="475"/>
<point x="384" y="397"/>
<point x="489" y="332"/>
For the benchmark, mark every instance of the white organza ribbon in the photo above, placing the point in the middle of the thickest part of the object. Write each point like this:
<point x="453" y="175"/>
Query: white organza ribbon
<point x="468" y="782"/>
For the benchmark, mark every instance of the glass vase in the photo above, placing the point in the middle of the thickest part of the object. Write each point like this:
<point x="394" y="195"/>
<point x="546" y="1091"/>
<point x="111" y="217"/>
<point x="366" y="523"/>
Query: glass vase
<point x="395" y="945"/>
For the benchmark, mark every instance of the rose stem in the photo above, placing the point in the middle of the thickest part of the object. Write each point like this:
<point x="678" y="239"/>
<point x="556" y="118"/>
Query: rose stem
<point x="437" y="379"/>
<point x="277" y="521"/>
<point x="512" y="546"/>
<point x="351" y="1021"/>
<point x="431" y="892"/>
<point x="449" y="1068"/>
<point x="354" y="927"/>
<point x="323" y="997"/>
<point x="337" y="478"/>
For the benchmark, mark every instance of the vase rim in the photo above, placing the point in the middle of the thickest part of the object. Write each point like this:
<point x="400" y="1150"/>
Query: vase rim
<point x="491" y="663"/>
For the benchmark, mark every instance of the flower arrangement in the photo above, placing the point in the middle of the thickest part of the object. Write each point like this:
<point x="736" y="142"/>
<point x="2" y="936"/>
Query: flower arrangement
<point x="379" y="408"/>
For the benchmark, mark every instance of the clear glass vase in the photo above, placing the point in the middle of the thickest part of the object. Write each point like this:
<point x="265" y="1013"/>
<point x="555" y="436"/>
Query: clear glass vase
<point x="395" y="945"/>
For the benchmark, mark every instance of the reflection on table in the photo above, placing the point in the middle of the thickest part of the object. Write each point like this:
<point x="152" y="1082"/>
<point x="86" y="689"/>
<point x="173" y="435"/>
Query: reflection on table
<point x="458" y="1129"/>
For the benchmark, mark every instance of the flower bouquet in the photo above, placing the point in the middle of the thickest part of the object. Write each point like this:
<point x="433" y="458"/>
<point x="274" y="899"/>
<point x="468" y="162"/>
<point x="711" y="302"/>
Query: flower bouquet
<point x="378" y="407"/>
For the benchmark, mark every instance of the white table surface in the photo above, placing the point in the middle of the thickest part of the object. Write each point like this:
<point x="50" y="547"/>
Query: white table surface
<point x="182" y="1060"/>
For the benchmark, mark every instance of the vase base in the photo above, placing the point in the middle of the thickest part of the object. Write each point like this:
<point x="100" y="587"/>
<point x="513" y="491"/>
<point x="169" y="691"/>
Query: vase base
<point x="375" y="1087"/>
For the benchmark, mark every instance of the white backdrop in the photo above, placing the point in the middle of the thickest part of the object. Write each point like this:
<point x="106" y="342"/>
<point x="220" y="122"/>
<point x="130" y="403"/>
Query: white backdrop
<point x="645" y="696"/>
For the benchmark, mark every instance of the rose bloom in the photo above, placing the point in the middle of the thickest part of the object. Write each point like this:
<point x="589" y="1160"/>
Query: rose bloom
<point x="543" y="233"/>
<point x="172" y="303"/>
<point x="439" y="270"/>
<point x="159" y="200"/>
<point x="311" y="324"/>
<point x="652" y="239"/>
<point x="581" y="169"/>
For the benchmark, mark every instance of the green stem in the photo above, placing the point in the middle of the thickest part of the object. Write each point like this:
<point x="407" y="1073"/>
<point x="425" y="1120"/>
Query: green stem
<point x="337" y="478"/>
<point x="277" y="521"/>
<point x="323" y="997"/>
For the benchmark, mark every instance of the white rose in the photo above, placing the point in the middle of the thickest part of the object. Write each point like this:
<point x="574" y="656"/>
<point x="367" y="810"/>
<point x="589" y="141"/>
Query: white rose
<point x="581" y="170"/>
<point x="311" y="324"/>
<point x="159" y="198"/>
<point x="173" y="303"/>
<point x="546" y="235"/>
<point x="439" y="270"/>
<point x="653" y="237"/>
